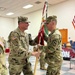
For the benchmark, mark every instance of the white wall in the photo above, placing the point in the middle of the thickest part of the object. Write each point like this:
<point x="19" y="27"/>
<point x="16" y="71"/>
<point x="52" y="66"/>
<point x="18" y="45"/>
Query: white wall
<point x="35" y="19"/>
<point x="6" y="25"/>
<point x="64" y="12"/>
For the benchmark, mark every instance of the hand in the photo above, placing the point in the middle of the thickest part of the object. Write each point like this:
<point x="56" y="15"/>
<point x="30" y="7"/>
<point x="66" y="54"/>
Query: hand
<point x="36" y="54"/>
<point x="39" y="46"/>
<point x="35" y="49"/>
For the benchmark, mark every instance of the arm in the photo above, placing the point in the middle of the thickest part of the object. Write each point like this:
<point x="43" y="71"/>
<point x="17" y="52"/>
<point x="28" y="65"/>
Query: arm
<point x="52" y="44"/>
<point x="35" y="41"/>
<point x="45" y="38"/>
<point x="17" y="46"/>
<point x="32" y="42"/>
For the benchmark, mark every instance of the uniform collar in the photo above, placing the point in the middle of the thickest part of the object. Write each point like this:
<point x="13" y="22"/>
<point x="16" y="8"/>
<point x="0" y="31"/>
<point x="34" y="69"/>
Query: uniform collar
<point x="21" y="33"/>
<point x="53" y="31"/>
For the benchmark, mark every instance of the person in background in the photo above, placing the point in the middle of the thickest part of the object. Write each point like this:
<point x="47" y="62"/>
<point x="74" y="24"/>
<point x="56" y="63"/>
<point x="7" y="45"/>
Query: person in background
<point x="3" y="68"/>
<point x="41" y="58"/>
<point x="4" y="42"/>
<point x="42" y="61"/>
<point x="19" y="45"/>
<point x="54" y="47"/>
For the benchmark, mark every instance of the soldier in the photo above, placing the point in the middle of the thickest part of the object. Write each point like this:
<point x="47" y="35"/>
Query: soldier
<point x="19" y="44"/>
<point x="53" y="49"/>
<point x="3" y="69"/>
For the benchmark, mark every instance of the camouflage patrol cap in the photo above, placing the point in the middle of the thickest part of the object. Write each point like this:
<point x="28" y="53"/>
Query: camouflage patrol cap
<point x="23" y="19"/>
<point x="51" y="18"/>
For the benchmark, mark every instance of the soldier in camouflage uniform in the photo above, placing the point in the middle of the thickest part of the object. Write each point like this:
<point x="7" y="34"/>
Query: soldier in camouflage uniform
<point x="19" y="44"/>
<point x="53" y="49"/>
<point x="3" y="69"/>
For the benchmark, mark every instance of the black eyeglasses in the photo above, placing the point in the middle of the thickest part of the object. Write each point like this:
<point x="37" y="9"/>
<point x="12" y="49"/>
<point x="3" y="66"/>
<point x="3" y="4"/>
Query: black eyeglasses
<point x="46" y="23"/>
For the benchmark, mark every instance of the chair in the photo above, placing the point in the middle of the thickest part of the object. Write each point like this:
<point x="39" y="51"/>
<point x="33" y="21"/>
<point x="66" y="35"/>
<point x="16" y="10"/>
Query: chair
<point x="72" y="60"/>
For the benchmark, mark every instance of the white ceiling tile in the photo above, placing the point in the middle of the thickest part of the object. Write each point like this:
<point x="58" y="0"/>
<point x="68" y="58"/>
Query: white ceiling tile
<point x="16" y="6"/>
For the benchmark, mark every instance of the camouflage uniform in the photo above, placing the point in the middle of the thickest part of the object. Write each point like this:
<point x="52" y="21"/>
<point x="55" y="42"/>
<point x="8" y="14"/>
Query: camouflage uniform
<point x="42" y="61"/>
<point x="18" y="58"/>
<point x="3" y="69"/>
<point x="19" y="45"/>
<point x="53" y="52"/>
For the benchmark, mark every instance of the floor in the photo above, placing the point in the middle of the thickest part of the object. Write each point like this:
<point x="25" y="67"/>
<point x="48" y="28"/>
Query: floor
<point x="65" y="70"/>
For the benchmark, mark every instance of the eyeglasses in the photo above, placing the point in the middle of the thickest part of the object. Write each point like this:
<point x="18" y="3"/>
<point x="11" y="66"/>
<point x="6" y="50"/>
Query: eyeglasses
<point x="25" y="22"/>
<point x="46" y="23"/>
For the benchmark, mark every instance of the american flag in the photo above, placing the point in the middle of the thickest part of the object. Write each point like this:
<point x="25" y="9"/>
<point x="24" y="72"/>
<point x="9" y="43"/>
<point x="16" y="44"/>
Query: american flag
<point x="73" y="22"/>
<point x="41" y="31"/>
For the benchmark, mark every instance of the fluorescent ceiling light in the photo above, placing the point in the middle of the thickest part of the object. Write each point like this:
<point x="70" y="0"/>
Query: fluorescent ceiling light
<point x="28" y="6"/>
<point x="10" y="13"/>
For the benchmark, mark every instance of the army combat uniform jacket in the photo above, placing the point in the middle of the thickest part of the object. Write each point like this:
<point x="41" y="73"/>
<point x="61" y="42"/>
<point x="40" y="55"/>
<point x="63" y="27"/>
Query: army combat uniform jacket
<point x="19" y="45"/>
<point x="53" y="49"/>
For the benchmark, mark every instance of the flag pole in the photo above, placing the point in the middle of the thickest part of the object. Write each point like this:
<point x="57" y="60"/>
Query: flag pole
<point x="37" y="59"/>
<point x="36" y="62"/>
<point x="47" y="9"/>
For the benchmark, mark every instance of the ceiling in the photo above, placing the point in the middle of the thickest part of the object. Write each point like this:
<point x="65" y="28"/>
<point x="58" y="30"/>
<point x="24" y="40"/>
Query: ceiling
<point x="16" y="6"/>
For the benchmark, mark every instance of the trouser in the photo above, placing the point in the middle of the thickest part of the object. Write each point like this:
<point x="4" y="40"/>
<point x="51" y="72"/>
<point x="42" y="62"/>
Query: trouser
<point x="42" y="60"/>
<point x="17" y="69"/>
<point x="54" y="69"/>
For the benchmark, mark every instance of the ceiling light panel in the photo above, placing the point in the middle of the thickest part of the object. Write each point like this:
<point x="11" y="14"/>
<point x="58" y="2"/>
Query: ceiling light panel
<point x="10" y="13"/>
<point x="28" y="6"/>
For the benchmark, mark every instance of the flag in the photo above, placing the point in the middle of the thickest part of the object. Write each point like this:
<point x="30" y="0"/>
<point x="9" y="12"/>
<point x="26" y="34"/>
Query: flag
<point x="43" y="28"/>
<point x="73" y="22"/>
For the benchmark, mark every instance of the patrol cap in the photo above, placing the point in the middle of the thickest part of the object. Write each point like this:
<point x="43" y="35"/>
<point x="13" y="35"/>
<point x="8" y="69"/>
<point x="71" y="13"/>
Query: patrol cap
<point x="51" y="18"/>
<point x="23" y="19"/>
